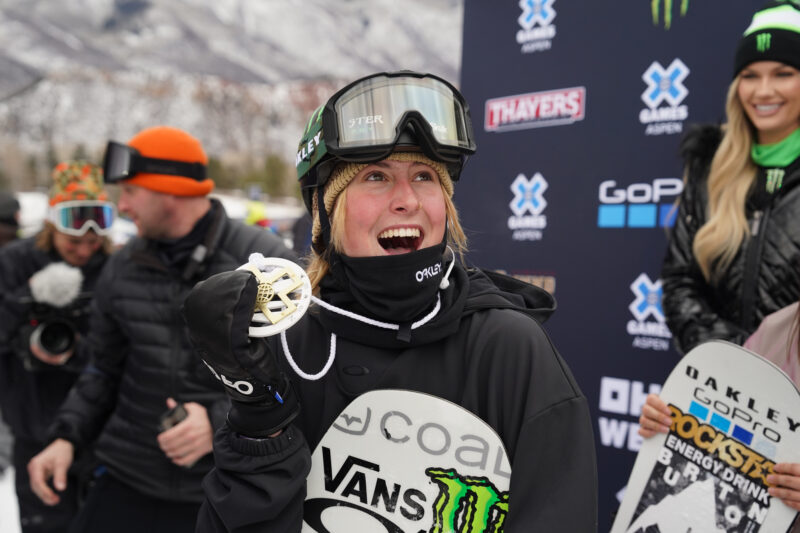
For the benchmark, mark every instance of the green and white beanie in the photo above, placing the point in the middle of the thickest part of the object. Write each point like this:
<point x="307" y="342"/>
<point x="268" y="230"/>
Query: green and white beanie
<point x="773" y="35"/>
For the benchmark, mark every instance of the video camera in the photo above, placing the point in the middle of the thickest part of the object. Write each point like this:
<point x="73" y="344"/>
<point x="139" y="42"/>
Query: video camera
<point x="52" y="329"/>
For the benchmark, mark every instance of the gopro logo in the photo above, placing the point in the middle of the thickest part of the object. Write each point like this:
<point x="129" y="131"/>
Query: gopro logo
<point x="638" y="205"/>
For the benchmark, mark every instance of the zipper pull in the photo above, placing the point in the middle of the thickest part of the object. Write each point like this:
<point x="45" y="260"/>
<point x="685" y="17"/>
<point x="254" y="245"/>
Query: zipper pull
<point x="756" y="223"/>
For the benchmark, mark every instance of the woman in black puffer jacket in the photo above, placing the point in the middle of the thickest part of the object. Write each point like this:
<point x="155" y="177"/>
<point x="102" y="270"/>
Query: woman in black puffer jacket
<point x="734" y="252"/>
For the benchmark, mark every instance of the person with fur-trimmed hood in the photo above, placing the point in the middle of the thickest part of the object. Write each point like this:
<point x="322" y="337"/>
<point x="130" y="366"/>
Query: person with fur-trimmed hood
<point x="395" y="312"/>
<point x="734" y="251"/>
<point x="733" y="260"/>
<point x="46" y="285"/>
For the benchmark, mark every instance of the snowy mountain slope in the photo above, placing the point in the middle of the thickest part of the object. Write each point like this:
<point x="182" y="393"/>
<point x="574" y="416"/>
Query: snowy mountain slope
<point x="242" y="75"/>
<point x="238" y="40"/>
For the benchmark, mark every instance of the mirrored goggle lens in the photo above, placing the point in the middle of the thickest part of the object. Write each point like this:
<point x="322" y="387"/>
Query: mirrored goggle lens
<point x="80" y="218"/>
<point x="117" y="162"/>
<point x="368" y="114"/>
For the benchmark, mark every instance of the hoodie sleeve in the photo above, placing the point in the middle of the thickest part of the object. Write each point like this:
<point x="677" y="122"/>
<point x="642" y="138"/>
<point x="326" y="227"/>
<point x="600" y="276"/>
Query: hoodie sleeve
<point x="257" y="484"/>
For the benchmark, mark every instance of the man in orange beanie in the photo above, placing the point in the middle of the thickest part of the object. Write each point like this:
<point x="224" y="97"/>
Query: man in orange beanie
<point x="145" y="403"/>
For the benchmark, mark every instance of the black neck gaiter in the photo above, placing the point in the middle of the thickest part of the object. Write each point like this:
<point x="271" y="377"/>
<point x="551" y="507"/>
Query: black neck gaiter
<point x="396" y="288"/>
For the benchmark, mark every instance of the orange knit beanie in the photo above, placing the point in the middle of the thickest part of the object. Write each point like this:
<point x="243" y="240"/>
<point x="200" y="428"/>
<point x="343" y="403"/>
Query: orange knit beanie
<point x="77" y="181"/>
<point x="164" y="142"/>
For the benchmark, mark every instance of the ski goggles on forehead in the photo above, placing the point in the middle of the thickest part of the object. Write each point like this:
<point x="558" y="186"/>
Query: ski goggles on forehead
<point x="76" y="218"/>
<point x="122" y="162"/>
<point x="364" y="121"/>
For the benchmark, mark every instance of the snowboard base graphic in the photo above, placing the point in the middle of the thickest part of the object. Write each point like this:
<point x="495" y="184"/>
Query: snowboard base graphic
<point x="734" y="415"/>
<point x="405" y="462"/>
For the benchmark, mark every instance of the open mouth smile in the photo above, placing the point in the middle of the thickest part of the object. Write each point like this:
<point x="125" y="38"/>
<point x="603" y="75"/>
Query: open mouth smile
<point x="766" y="109"/>
<point x="400" y="239"/>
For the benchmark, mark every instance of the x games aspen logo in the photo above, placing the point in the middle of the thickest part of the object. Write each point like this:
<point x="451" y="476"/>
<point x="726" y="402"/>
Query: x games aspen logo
<point x="648" y="299"/>
<point x="528" y="220"/>
<point x="534" y="11"/>
<point x="528" y="195"/>
<point x="647" y="334"/>
<point x="531" y="37"/>
<point x="664" y="86"/>
<point x="654" y="7"/>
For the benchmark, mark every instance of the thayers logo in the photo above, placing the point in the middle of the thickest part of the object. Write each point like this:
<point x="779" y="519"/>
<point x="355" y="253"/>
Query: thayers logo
<point x="535" y="110"/>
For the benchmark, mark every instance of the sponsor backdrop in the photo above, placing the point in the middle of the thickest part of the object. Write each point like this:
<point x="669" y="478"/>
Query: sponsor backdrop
<point x="578" y="109"/>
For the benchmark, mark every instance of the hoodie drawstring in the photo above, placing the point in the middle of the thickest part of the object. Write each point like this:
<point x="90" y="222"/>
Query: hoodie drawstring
<point x="369" y="321"/>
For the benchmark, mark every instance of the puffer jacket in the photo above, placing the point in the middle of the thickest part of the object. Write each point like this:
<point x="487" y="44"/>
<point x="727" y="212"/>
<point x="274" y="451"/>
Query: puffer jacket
<point x="140" y="355"/>
<point x="763" y="276"/>
<point x="30" y="397"/>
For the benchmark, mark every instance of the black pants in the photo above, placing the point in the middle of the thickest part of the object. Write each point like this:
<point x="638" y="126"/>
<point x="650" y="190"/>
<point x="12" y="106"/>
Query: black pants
<point x="112" y="506"/>
<point x="35" y="516"/>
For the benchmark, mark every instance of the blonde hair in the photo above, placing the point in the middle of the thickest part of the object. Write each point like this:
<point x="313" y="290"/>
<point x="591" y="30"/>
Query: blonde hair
<point x="318" y="264"/>
<point x="730" y="178"/>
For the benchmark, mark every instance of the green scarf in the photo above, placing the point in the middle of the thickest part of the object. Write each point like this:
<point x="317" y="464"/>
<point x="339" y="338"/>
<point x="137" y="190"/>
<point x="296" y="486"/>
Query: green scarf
<point x="780" y="154"/>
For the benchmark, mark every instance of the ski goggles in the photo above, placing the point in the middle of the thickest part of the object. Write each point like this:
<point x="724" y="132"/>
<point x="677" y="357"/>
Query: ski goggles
<point x="122" y="162"/>
<point x="364" y="121"/>
<point x="77" y="217"/>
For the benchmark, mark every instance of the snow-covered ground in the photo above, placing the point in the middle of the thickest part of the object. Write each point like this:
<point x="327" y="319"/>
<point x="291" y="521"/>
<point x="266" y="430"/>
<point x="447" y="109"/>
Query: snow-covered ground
<point x="9" y="514"/>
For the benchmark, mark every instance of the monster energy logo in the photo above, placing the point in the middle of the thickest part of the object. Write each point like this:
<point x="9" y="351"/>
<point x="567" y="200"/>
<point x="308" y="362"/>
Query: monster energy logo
<point x="466" y="504"/>
<point x="763" y="41"/>
<point x="774" y="179"/>
<point x="667" y="11"/>
<point x="315" y="116"/>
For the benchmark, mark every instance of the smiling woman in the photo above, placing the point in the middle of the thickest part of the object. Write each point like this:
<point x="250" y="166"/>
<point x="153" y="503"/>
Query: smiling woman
<point x="734" y="252"/>
<point x="769" y="92"/>
<point x="726" y="267"/>
<point x="393" y="207"/>
<point x="394" y="311"/>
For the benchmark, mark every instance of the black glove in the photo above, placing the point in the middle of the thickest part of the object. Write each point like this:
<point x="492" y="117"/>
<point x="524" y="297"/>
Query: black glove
<point x="218" y="312"/>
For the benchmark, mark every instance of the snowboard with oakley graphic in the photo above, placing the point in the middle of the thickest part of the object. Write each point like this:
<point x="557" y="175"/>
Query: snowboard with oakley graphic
<point x="734" y="416"/>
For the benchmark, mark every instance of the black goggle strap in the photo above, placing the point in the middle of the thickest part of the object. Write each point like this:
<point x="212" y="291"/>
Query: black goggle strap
<point x="324" y="221"/>
<point x="151" y="165"/>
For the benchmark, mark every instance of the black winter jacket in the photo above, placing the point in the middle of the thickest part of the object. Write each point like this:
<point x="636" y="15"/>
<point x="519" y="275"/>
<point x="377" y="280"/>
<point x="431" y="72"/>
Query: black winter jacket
<point x="30" y="399"/>
<point x="762" y="278"/>
<point x="141" y="355"/>
<point x="485" y="350"/>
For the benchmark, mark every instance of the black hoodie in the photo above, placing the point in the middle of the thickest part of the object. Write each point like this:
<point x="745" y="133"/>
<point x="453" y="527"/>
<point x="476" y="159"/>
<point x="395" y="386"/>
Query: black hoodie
<point x="484" y="350"/>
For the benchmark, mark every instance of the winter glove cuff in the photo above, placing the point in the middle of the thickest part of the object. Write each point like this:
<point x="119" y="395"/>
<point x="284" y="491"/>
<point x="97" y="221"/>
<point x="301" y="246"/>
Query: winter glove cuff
<point x="262" y="419"/>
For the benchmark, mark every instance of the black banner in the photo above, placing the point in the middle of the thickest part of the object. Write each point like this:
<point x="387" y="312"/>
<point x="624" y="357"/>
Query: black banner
<point x="578" y="109"/>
